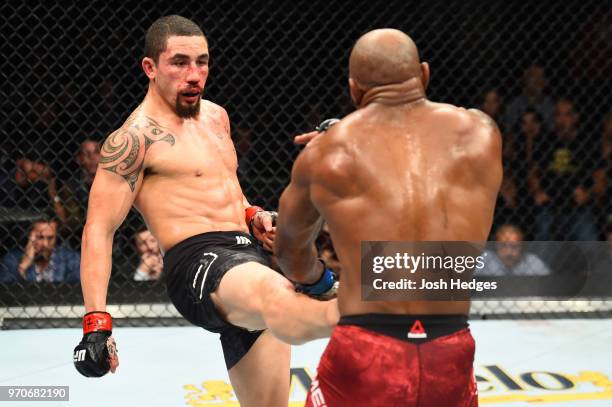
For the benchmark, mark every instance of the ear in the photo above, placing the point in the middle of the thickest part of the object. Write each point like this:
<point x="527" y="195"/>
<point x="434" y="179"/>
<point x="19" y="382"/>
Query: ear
<point x="149" y="67"/>
<point x="425" y="74"/>
<point x="356" y="92"/>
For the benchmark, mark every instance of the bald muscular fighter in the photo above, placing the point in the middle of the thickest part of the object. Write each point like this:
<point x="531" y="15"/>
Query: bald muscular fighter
<point x="173" y="159"/>
<point x="398" y="168"/>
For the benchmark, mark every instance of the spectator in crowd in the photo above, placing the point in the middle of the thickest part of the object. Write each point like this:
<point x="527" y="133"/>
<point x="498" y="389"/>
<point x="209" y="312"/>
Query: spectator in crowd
<point x="529" y="136"/>
<point x="515" y="203"/>
<point x="491" y="103"/>
<point x="32" y="188"/>
<point x="592" y="55"/>
<point x="561" y="181"/>
<point x="602" y="188"/>
<point x="242" y="141"/>
<point x="249" y="158"/>
<point x="75" y="192"/>
<point x="509" y="259"/>
<point x="151" y="263"/>
<point x="533" y="96"/>
<point x="508" y="208"/>
<point x="42" y="260"/>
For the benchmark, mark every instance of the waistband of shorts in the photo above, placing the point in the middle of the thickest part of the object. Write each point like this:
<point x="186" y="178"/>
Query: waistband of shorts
<point x="220" y="238"/>
<point x="411" y="328"/>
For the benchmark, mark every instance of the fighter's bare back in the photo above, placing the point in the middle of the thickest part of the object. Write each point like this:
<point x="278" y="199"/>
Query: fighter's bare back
<point x="415" y="172"/>
<point x="189" y="184"/>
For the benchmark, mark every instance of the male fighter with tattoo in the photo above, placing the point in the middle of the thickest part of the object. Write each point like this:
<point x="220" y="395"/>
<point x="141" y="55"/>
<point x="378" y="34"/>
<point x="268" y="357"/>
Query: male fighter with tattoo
<point x="173" y="159"/>
<point x="399" y="168"/>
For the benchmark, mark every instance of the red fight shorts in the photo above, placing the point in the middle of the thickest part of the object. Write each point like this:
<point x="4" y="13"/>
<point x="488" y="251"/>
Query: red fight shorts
<point x="397" y="360"/>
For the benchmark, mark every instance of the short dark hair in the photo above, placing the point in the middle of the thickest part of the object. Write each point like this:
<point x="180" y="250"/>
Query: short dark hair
<point x="88" y="140"/>
<point x="566" y="99"/>
<point x="530" y="110"/>
<point x="165" y="27"/>
<point x="139" y="229"/>
<point x="508" y="227"/>
<point x="43" y="218"/>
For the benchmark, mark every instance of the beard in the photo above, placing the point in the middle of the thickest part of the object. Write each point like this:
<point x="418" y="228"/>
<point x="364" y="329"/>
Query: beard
<point x="42" y="255"/>
<point x="188" y="111"/>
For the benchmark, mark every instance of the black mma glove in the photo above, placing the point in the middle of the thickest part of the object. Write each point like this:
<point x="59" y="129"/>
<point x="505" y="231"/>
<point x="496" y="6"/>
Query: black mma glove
<point x="326" y="124"/>
<point x="326" y="288"/>
<point x="97" y="352"/>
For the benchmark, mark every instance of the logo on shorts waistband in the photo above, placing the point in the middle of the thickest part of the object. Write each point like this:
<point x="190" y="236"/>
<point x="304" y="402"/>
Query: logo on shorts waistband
<point x="417" y="331"/>
<point x="242" y="240"/>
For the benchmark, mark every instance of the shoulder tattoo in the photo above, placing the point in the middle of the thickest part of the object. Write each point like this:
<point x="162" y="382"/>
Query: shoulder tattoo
<point x="123" y="152"/>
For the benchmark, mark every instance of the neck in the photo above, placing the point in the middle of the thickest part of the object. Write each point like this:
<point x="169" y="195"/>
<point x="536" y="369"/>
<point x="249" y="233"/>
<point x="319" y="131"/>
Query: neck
<point x="394" y="94"/>
<point x="155" y="105"/>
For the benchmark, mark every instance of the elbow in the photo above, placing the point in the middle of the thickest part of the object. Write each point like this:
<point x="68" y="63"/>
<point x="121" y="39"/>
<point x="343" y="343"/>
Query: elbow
<point x="95" y="230"/>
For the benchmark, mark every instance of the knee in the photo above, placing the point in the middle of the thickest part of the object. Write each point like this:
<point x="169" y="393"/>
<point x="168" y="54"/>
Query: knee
<point x="279" y="295"/>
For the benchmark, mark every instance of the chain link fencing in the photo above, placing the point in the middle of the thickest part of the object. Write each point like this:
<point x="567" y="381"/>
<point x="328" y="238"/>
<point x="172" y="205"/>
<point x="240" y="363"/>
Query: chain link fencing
<point x="71" y="75"/>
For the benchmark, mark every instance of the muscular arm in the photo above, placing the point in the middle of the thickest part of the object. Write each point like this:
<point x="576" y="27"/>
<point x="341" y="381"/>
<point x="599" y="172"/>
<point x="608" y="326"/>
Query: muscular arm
<point x="489" y="163"/>
<point x="298" y="224"/>
<point x="113" y="192"/>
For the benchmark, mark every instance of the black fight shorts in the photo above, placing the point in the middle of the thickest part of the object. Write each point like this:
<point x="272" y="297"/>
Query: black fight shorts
<point x="194" y="268"/>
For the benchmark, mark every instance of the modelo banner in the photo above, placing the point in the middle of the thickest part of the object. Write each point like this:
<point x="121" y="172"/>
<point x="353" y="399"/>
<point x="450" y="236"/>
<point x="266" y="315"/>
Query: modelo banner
<point x="496" y="385"/>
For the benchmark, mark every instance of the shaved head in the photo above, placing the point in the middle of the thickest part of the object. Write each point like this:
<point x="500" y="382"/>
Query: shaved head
<point x="382" y="57"/>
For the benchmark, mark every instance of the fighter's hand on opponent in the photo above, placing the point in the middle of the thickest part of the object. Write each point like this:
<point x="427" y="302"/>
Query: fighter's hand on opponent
<point x="264" y="229"/>
<point x="305" y="138"/>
